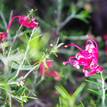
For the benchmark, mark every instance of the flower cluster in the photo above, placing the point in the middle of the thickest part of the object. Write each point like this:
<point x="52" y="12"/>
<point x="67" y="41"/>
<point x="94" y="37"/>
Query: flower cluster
<point x="45" y="70"/>
<point x="87" y="58"/>
<point x="23" y="21"/>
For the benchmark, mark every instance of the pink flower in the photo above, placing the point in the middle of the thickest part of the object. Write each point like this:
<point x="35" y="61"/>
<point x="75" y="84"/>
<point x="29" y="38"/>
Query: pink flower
<point x="27" y="22"/>
<point x="3" y="36"/>
<point x="24" y="21"/>
<point x="87" y="58"/>
<point x="45" y="70"/>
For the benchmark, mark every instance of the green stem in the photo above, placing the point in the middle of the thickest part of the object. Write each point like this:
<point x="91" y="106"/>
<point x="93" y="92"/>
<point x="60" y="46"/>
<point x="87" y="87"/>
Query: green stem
<point x="10" y="101"/>
<point x="27" y="74"/>
<point x="26" y="52"/>
<point x="103" y="90"/>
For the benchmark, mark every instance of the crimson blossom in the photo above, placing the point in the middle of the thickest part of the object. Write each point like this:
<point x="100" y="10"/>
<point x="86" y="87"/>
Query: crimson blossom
<point x="24" y="21"/>
<point x="45" y="70"/>
<point x="87" y="58"/>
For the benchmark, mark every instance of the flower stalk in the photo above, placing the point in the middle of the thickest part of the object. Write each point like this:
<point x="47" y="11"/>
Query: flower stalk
<point x="103" y="90"/>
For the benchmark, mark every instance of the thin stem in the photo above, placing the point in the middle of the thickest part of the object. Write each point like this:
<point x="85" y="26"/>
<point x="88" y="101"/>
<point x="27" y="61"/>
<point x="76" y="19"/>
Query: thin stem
<point x="10" y="101"/>
<point x="14" y="39"/>
<point x="9" y="52"/>
<point x="11" y="14"/>
<point x="66" y="21"/>
<point x="30" y="72"/>
<point x="27" y="49"/>
<point x="103" y="90"/>
<point x="42" y="78"/>
<point x="22" y="105"/>
<point x="3" y="49"/>
<point x="4" y="20"/>
<point x="59" y="12"/>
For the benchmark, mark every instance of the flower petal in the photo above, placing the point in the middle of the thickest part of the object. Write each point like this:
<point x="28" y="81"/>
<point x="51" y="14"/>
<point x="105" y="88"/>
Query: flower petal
<point x="72" y="61"/>
<point x="42" y="69"/>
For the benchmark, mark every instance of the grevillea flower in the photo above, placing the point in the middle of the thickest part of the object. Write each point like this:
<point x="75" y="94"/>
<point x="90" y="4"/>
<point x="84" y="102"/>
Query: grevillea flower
<point x="87" y="58"/>
<point x="45" y="70"/>
<point x="3" y="36"/>
<point x="24" y="21"/>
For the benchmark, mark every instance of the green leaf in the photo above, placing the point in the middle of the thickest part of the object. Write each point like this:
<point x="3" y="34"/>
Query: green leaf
<point x="83" y="16"/>
<point x="93" y="82"/>
<point x="76" y="93"/>
<point x="66" y="99"/>
<point x="63" y="92"/>
<point x="95" y="91"/>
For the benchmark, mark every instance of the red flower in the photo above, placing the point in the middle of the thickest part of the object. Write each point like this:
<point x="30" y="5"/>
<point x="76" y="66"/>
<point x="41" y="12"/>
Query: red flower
<point x="87" y="58"/>
<point x="45" y="70"/>
<point x="24" y="21"/>
<point x="3" y="36"/>
<point x="27" y="22"/>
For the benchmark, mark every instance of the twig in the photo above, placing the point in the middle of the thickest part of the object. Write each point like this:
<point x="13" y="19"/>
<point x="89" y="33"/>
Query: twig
<point x="59" y="12"/>
<point x="65" y="21"/>
<point x="30" y="72"/>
